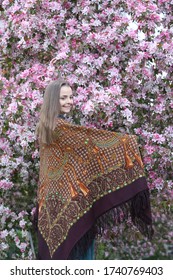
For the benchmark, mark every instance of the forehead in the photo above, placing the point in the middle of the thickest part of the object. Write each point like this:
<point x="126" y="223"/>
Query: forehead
<point x="65" y="90"/>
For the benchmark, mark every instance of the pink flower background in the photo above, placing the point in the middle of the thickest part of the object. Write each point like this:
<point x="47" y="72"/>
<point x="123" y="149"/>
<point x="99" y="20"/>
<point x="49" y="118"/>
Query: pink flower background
<point x="118" y="57"/>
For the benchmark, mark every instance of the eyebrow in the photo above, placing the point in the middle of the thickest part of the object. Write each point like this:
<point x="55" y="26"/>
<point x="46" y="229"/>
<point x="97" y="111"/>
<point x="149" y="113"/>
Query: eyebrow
<point x="66" y="95"/>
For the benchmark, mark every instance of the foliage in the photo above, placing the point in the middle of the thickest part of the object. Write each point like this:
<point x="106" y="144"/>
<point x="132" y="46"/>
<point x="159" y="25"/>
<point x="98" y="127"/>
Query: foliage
<point x="117" y="55"/>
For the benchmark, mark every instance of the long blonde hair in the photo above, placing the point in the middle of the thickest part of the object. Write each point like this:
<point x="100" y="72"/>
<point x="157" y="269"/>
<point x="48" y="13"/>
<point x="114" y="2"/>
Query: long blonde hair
<point x="49" y="111"/>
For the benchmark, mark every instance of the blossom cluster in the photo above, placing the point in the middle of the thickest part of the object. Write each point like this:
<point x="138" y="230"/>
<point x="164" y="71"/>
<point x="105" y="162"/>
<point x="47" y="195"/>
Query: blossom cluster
<point x="14" y="235"/>
<point x="117" y="55"/>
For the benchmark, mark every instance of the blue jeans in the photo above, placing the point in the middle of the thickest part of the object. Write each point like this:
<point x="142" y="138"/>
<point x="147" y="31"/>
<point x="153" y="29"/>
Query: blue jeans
<point x="89" y="255"/>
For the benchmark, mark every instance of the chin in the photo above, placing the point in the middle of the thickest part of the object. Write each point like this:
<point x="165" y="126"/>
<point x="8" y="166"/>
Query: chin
<point x="66" y="111"/>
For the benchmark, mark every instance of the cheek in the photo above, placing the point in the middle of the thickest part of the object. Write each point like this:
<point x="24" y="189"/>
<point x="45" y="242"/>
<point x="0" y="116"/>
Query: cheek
<point x="61" y="102"/>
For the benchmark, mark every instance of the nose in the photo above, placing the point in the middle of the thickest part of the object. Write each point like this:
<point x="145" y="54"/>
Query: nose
<point x="70" y="101"/>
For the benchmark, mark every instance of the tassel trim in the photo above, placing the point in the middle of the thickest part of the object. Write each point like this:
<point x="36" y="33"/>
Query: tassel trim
<point x="134" y="208"/>
<point x="83" y="188"/>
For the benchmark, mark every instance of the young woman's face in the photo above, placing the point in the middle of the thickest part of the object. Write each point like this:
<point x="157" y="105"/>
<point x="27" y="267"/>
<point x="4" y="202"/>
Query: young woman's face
<point x="66" y="99"/>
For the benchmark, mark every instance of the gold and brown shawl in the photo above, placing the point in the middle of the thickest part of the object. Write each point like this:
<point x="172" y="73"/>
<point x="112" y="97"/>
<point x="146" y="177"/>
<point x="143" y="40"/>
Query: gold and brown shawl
<point x="84" y="173"/>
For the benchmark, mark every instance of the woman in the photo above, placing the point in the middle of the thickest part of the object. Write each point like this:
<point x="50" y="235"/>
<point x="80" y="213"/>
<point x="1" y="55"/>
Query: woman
<point x="88" y="178"/>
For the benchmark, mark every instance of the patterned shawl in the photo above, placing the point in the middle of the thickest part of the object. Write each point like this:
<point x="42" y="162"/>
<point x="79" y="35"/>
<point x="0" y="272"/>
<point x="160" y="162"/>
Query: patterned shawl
<point x="85" y="173"/>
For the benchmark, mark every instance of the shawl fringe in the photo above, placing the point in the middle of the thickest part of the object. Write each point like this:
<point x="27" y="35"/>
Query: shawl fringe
<point x="134" y="208"/>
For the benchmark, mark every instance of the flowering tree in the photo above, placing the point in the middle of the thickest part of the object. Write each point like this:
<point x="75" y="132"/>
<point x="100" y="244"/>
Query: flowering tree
<point x="118" y="57"/>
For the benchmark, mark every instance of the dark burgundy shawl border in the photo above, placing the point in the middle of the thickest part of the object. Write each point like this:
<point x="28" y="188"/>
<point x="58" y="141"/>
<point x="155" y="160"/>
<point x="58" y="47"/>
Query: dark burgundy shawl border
<point x="104" y="204"/>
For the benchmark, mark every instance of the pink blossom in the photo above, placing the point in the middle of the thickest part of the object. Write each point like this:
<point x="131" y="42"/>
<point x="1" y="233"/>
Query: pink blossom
<point x="33" y="211"/>
<point x="23" y="247"/>
<point x="17" y="240"/>
<point x="4" y="160"/>
<point x="158" y="183"/>
<point x="158" y="138"/>
<point x="54" y="6"/>
<point x="153" y="175"/>
<point x="128" y="115"/>
<point x="85" y="27"/>
<point x="4" y="234"/>
<point x="12" y="108"/>
<point x="5" y="185"/>
<point x="22" y="214"/>
<point x="147" y="160"/>
<point x="4" y="246"/>
<point x="159" y="108"/>
<point x="150" y="149"/>
<point x="22" y="223"/>
<point x="88" y="107"/>
<point x="141" y="8"/>
<point x="35" y="154"/>
<point x="12" y="233"/>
